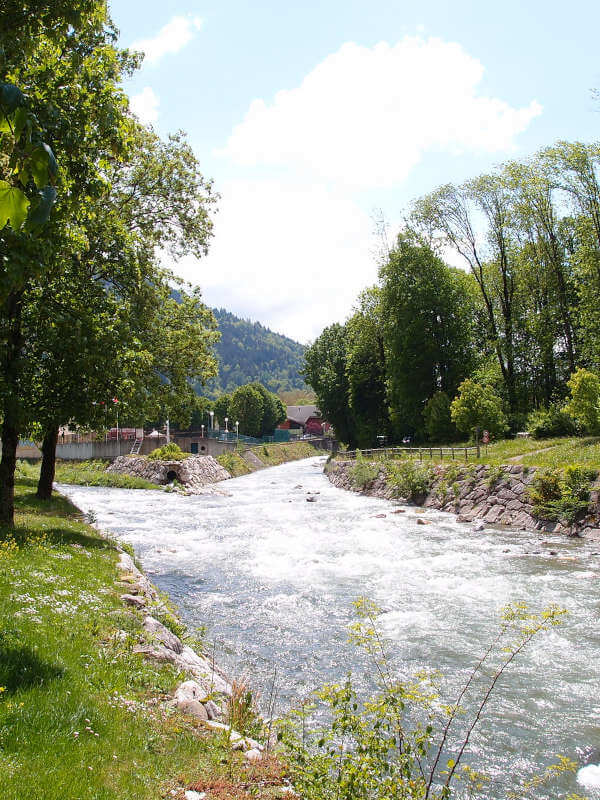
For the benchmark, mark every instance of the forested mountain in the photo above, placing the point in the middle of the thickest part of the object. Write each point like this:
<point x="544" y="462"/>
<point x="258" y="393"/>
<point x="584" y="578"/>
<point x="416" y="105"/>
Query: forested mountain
<point x="250" y="352"/>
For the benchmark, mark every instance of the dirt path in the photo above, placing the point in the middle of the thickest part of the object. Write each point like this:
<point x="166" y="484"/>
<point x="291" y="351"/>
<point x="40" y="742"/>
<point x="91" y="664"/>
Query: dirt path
<point x="517" y="459"/>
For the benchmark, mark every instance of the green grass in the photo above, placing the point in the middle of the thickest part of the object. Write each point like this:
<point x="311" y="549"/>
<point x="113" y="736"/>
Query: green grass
<point x="559" y="452"/>
<point x="234" y="464"/>
<point x="584" y="452"/>
<point x="88" y="473"/>
<point x="81" y="715"/>
<point x="280" y="453"/>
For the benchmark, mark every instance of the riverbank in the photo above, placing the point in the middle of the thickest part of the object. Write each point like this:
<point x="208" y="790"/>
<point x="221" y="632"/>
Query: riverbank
<point x="92" y="661"/>
<point x="489" y="494"/>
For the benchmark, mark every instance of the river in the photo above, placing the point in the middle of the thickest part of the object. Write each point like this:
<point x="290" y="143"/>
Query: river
<point x="273" y="577"/>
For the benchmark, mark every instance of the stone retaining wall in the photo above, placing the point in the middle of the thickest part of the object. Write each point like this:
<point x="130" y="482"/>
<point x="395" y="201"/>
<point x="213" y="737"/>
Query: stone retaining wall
<point x="495" y="495"/>
<point x="195" y="473"/>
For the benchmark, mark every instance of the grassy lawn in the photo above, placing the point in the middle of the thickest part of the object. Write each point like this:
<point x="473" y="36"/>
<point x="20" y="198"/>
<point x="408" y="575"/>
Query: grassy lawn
<point x="81" y="715"/>
<point x="568" y="451"/>
<point x="87" y="473"/>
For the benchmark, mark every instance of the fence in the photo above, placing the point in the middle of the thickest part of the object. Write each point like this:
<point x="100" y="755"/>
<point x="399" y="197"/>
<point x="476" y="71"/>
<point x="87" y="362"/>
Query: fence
<point x="452" y="453"/>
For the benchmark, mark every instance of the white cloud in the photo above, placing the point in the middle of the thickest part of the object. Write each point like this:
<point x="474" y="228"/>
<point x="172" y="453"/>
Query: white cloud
<point x="145" y="105"/>
<point x="364" y="117"/>
<point x="171" y="38"/>
<point x="291" y="255"/>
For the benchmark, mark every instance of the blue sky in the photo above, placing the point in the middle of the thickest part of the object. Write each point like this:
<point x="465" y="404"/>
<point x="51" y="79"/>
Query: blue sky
<point x="310" y="117"/>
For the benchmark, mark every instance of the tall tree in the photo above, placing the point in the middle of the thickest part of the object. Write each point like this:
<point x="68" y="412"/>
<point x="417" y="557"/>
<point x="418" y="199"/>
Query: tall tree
<point x="70" y="74"/>
<point x="427" y="329"/>
<point x="325" y="371"/>
<point x="366" y="369"/>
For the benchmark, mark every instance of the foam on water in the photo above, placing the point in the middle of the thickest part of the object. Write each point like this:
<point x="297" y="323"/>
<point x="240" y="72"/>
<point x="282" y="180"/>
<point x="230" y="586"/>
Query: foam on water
<point x="274" y="581"/>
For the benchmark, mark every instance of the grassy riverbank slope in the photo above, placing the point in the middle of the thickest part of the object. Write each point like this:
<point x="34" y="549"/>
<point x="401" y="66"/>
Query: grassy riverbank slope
<point x="243" y="462"/>
<point x="81" y="715"/>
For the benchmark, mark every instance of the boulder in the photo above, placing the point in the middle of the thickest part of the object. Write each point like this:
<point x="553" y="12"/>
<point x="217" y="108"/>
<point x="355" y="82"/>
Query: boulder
<point x="193" y="708"/>
<point x="164" y="635"/>
<point x="134" y="600"/>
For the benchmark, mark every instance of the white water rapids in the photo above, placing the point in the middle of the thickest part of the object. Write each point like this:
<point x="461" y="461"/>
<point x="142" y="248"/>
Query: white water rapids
<point x="273" y="577"/>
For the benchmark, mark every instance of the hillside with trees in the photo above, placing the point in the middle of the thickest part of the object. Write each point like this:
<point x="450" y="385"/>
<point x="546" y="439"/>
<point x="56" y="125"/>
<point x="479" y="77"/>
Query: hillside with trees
<point x="248" y="352"/>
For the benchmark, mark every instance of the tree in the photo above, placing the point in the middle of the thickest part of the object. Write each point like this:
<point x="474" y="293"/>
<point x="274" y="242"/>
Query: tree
<point x="70" y="74"/>
<point x="427" y="331"/>
<point x="325" y="371"/>
<point x="273" y="410"/>
<point x="221" y="407"/>
<point x="477" y="407"/>
<point x="584" y="403"/>
<point x="438" y="421"/>
<point x="247" y="408"/>
<point x="366" y="369"/>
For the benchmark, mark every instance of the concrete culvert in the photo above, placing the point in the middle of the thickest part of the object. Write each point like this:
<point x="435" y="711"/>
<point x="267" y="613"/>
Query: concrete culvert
<point x="172" y="476"/>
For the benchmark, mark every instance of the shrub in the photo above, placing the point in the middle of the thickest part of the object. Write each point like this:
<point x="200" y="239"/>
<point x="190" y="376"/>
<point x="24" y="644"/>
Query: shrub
<point x="362" y="472"/>
<point x="405" y="741"/>
<point x="562" y="495"/>
<point x="410" y="479"/>
<point x="550" y="421"/>
<point x="168" y="452"/>
<point x="478" y="407"/>
<point x="584" y="403"/>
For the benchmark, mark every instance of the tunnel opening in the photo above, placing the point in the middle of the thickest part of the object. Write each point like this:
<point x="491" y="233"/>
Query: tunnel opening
<point x="171" y="476"/>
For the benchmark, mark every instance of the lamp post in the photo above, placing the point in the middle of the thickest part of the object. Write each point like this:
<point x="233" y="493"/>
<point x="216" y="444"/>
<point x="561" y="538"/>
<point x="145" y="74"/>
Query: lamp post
<point x="226" y="421"/>
<point x="237" y="430"/>
<point x="202" y="431"/>
<point x="212" y="424"/>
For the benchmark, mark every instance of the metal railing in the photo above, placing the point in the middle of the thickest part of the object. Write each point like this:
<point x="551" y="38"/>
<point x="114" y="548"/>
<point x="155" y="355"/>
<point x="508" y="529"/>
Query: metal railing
<point x="452" y="453"/>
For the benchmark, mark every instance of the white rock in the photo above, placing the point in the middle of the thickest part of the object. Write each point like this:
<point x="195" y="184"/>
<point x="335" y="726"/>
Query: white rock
<point x="589" y="776"/>
<point x="191" y="795"/>
<point x="253" y="755"/>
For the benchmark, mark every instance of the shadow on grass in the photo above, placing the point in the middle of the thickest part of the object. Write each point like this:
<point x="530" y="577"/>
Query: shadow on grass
<point x="57" y="536"/>
<point x="22" y="668"/>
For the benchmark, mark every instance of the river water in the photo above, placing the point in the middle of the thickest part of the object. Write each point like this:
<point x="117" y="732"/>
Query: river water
<point x="273" y="577"/>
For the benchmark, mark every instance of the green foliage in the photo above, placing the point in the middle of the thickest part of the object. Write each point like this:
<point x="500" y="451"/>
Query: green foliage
<point x="428" y="321"/>
<point x="410" y="479"/>
<point x="438" y="422"/>
<point x="584" y="403"/>
<point x="168" y="452"/>
<point x="494" y="475"/>
<point x="248" y="408"/>
<point x="562" y="495"/>
<point x="362" y="472"/>
<point x="550" y="421"/>
<point x="477" y="407"/>
<point x="390" y="745"/>
<point x="326" y="372"/>
<point x="366" y="370"/>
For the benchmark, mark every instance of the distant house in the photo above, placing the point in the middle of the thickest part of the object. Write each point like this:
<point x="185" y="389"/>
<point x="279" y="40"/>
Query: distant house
<point x="308" y="419"/>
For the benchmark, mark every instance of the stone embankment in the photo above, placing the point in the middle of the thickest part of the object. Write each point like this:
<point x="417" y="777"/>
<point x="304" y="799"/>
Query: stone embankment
<point x="196" y="474"/>
<point x="491" y="495"/>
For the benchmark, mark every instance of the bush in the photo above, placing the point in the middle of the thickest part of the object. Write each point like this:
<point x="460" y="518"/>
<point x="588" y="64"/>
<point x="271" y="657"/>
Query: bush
<point x="562" y="495"/>
<point x="168" y="452"/>
<point x="362" y="472"/>
<point x="545" y="423"/>
<point x="409" y="479"/>
<point x="584" y="403"/>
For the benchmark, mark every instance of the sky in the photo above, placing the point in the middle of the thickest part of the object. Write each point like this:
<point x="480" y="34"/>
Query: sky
<point x="315" y="119"/>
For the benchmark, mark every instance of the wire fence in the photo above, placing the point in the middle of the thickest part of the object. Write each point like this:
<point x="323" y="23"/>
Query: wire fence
<point x="417" y="453"/>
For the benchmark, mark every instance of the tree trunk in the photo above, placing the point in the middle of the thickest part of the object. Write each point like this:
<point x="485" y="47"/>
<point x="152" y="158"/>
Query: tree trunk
<point x="10" y="440"/>
<point x="10" y="406"/>
<point x="44" y="488"/>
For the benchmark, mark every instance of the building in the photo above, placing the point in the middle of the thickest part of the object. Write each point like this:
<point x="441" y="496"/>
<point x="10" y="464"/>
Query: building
<point x="305" y="420"/>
